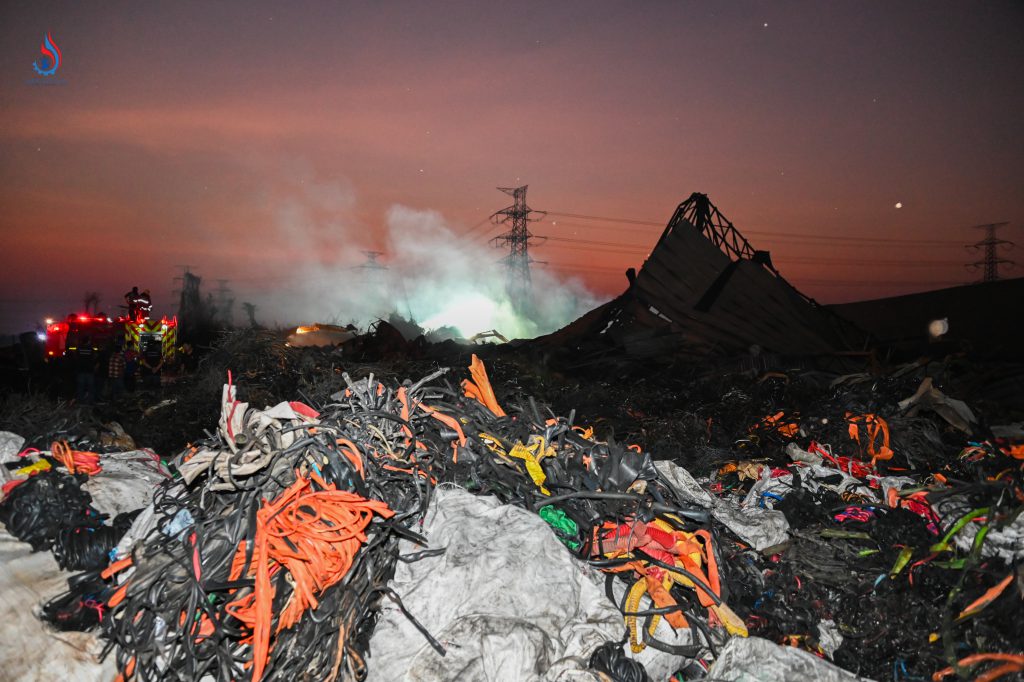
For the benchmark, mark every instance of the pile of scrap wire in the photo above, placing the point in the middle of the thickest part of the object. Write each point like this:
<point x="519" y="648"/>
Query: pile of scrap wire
<point x="48" y="508"/>
<point x="269" y="558"/>
<point x="892" y="569"/>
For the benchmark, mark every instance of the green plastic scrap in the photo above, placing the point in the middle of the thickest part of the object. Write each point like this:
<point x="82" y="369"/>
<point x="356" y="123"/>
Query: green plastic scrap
<point x="901" y="561"/>
<point x="844" y="534"/>
<point x="566" y="529"/>
<point x="943" y="544"/>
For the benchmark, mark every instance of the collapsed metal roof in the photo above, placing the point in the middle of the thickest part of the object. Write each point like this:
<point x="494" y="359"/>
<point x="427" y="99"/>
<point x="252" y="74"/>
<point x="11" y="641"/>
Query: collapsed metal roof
<point x="704" y="289"/>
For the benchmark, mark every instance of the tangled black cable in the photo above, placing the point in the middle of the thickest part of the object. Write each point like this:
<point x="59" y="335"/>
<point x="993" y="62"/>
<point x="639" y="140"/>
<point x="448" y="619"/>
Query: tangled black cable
<point x="86" y="548"/>
<point x="610" y="659"/>
<point x="81" y="607"/>
<point x="37" y="510"/>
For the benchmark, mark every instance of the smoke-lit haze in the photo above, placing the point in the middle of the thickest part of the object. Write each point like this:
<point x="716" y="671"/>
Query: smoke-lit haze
<point x="429" y="271"/>
<point x="269" y="143"/>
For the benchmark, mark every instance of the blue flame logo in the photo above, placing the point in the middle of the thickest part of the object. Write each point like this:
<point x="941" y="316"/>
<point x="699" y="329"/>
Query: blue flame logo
<point x="48" y="65"/>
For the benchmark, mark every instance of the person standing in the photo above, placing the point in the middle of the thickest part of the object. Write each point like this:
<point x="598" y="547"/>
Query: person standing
<point x="132" y="299"/>
<point x="151" y="362"/>
<point x="85" y="371"/>
<point x="131" y="368"/>
<point x="116" y="371"/>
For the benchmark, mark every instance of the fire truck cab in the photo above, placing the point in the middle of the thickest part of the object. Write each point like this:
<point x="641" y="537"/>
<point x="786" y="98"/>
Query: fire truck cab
<point x="149" y="338"/>
<point x="152" y="339"/>
<point x="65" y="335"/>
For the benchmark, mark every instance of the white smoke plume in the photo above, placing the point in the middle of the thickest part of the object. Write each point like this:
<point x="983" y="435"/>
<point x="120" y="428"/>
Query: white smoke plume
<point x="431" y="274"/>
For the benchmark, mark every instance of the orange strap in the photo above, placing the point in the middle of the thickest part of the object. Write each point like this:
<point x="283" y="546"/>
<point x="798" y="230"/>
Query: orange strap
<point x="116" y="567"/>
<point x="480" y="387"/>
<point x="1014" y="663"/>
<point x="663" y="599"/>
<point x="447" y="420"/>
<point x="1015" y="451"/>
<point x="876" y="426"/>
<point x="351" y="452"/>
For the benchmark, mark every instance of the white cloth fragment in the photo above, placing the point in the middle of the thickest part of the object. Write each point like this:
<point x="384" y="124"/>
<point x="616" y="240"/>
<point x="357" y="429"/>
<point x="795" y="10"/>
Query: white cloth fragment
<point x="829" y="638"/>
<point x="760" y="528"/>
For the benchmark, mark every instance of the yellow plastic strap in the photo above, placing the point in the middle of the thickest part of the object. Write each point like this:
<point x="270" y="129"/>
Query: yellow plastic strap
<point x="41" y="465"/>
<point x="532" y="460"/>
<point x="734" y="625"/>
<point x="636" y="593"/>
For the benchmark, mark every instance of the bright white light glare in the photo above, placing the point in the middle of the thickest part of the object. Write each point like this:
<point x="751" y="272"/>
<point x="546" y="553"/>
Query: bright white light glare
<point x="938" y="328"/>
<point x="41" y="336"/>
<point x="470" y="314"/>
<point x="899" y="204"/>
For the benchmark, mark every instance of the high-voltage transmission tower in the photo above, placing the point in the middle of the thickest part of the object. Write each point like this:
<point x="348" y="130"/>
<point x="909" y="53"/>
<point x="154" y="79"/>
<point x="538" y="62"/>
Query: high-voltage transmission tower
<point x="371" y="261"/>
<point x="225" y="303"/>
<point x="517" y="262"/>
<point x="374" y="273"/>
<point x="992" y="260"/>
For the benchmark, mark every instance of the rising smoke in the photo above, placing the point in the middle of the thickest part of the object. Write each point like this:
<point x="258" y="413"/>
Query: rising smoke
<point x="431" y="274"/>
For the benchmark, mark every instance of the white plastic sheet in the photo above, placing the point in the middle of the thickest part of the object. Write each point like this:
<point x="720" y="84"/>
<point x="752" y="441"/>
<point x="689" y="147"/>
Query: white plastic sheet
<point x="10" y="446"/>
<point x="753" y="659"/>
<point x="127" y="482"/>
<point x="506" y="599"/>
<point x="29" y="650"/>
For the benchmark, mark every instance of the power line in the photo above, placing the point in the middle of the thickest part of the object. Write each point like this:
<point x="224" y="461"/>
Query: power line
<point x="476" y="227"/>
<point x="867" y="262"/>
<point x="628" y="221"/>
<point x="574" y="240"/>
<point x="626" y="249"/>
<point x="770" y="233"/>
<point x="811" y="281"/>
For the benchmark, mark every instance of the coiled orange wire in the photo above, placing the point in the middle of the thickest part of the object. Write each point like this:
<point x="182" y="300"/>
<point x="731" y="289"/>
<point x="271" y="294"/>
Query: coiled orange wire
<point x="76" y="461"/>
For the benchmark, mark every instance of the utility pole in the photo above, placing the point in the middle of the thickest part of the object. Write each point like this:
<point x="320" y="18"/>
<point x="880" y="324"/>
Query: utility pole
<point x="179" y="282"/>
<point x="225" y="303"/>
<point x="250" y="311"/>
<point x="517" y="262"/>
<point x="991" y="261"/>
<point x="92" y="302"/>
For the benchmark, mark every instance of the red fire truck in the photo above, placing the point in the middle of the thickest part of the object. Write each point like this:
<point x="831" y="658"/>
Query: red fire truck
<point x="143" y="335"/>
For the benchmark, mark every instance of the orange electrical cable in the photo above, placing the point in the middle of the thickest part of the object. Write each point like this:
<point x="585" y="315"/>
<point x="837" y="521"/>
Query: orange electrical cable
<point x="312" y="534"/>
<point x="116" y="567"/>
<point x="75" y="461"/>
<point x="406" y="413"/>
<point x="990" y="596"/>
<point x="1014" y="663"/>
<point x="351" y="452"/>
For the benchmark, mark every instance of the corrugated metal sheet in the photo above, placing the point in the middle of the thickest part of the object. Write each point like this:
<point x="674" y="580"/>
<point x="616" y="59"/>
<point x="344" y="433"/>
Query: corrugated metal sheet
<point x="692" y="296"/>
